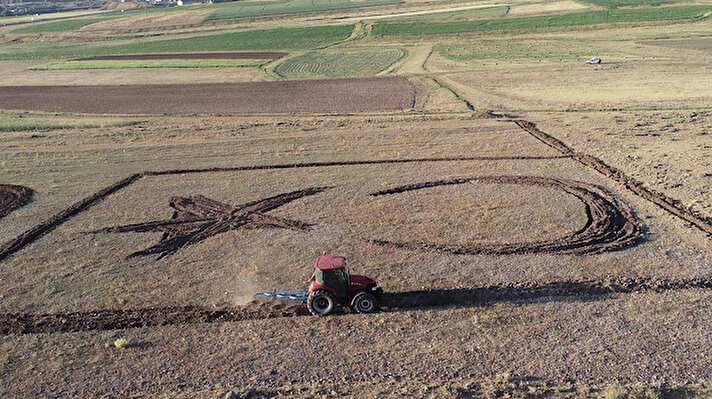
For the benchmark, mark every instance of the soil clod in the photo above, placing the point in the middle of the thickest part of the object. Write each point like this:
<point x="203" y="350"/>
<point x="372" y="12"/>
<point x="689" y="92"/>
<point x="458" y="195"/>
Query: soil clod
<point x="13" y="197"/>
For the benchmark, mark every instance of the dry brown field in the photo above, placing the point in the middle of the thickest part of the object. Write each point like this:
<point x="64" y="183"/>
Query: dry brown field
<point x="542" y="228"/>
<point x="477" y="314"/>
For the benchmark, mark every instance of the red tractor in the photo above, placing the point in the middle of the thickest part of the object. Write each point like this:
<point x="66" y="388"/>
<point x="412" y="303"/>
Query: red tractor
<point x="331" y="283"/>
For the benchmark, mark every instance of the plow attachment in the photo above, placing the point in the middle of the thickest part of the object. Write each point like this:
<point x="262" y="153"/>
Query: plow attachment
<point x="294" y="296"/>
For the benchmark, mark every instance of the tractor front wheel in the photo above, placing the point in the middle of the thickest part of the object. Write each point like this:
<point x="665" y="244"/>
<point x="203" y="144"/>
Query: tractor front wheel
<point x="365" y="302"/>
<point x="321" y="302"/>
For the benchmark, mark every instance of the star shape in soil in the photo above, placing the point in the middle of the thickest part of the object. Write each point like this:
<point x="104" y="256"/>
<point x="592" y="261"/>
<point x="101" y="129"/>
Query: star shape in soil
<point x="197" y="218"/>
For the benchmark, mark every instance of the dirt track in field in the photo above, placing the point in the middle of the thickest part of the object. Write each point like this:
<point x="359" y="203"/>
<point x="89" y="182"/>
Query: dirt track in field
<point x="671" y="205"/>
<point x="294" y="96"/>
<point x="611" y="224"/>
<point x="13" y="197"/>
<point x="18" y="323"/>
<point x="244" y="55"/>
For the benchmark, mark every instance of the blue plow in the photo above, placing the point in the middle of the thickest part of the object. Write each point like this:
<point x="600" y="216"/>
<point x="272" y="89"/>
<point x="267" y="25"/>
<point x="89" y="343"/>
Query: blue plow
<point x="295" y="295"/>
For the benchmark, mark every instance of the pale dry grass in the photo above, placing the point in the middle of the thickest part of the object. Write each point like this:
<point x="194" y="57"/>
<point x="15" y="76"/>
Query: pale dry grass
<point x="432" y="97"/>
<point x="414" y="61"/>
<point x="548" y="7"/>
<point x="624" y="85"/>
<point x="150" y="21"/>
<point x="17" y="74"/>
<point x="669" y="151"/>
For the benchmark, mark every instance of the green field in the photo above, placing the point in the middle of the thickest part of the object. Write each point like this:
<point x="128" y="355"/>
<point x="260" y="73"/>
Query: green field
<point x="23" y="121"/>
<point x="258" y="40"/>
<point x="59" y="26"/>
<point x="264" y="8"/>
<point x="339" y="63"/>
<point x="527" y="23"/>
<point x="122" y="64"/>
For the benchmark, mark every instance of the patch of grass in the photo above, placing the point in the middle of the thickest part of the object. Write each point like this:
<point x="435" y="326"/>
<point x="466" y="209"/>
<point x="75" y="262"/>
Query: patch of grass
<point x="177" y="63"/>
<point x="121" y="343"/>
<point x="18" y="122"/>
<point x="560" y="20"/>
<point x="263" y="8"/>
<point x="258" y="40"/>
<point x="339" y="63"/>
<point x="58" y="26"/>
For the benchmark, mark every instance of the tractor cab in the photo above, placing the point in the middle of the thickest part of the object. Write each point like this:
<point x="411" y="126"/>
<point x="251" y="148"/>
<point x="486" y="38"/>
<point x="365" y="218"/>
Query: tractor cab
<point x="331" y="283"/>
<point x="330" y="273"/>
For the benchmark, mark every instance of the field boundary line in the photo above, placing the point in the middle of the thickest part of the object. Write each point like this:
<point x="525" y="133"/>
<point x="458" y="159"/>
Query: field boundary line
<point x="669" y="204"/>
<point x="55" y="221"/>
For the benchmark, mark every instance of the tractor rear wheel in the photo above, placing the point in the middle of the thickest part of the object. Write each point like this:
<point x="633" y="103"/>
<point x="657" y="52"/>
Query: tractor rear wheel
<point x="365" y="302"/>
<point x="321" y="302"/>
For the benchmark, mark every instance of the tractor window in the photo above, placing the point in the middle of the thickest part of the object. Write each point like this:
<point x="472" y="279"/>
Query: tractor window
<point x="338" y="280"/>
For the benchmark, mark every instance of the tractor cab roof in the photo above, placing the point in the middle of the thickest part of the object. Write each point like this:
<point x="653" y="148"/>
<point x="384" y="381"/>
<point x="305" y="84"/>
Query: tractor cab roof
<point x="330" y="262"/>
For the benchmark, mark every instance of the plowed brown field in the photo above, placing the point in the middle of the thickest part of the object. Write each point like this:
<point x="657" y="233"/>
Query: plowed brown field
<point x="332" y="95"/>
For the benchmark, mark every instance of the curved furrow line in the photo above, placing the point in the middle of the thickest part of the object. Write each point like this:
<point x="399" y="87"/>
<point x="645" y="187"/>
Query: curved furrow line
<point x="611" y="224"/>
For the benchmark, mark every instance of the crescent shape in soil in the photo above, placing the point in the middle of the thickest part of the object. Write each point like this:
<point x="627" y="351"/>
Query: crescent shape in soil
<point x="611" y="224"/>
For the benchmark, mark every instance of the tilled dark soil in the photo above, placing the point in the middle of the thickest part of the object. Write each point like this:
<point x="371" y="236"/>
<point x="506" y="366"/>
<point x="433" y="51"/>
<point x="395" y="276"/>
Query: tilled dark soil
<point x="611" y="224"/>
<point x="293" y="96"/>
<point x="13" y="197"/>
<point x="671" y="205"/>
<point x="239" y="55"/>
<point x="17" y="323"/>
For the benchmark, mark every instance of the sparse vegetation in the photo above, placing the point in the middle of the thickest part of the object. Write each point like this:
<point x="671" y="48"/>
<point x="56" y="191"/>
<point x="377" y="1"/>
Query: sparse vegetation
<point x="23" y="121"/>
<point x="121" y="343"/>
